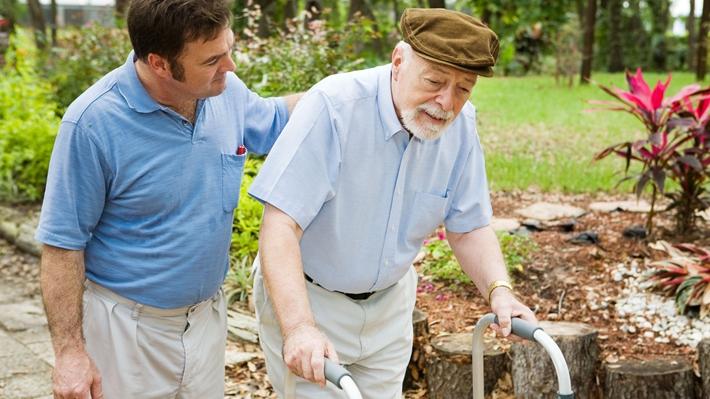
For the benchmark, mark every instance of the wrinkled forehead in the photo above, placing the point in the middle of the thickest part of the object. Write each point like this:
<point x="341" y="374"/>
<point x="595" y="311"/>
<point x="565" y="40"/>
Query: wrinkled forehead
<point x="423" y="66"/>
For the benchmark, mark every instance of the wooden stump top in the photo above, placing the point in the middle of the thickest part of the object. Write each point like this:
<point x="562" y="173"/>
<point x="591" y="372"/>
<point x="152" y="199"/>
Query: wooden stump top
<point x="655" y="367"/>
<point x="462" y="344"/>
<point x="565" y="328"/>
<point x="418" y="316"/>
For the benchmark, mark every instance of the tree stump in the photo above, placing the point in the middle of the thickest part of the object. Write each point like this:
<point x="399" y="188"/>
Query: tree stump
<point x="704" y="363"/>
<point x="416" y="368"/>
<point x="449" y="372"/>
<point x="534" y="375"/>
<point x="651" y="379"/>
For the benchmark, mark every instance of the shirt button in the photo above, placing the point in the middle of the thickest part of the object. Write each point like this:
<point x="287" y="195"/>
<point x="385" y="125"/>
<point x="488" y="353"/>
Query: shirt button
<point x="392" y="228"/>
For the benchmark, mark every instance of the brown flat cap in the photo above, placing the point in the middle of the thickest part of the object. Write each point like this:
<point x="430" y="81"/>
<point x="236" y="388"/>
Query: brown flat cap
<point x="451" y="38"/>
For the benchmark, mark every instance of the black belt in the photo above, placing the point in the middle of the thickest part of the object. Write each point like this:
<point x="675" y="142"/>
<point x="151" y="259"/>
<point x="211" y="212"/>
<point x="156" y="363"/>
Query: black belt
<point x="357" y="297"/>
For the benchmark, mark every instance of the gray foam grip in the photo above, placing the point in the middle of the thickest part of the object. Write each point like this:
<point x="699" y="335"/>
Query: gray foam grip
<point x="522" y="328"/>
<point x="334" y="372"/>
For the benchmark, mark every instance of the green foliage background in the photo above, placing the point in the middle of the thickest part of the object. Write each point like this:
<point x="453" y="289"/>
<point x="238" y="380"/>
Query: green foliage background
<point x="28" y="125"/>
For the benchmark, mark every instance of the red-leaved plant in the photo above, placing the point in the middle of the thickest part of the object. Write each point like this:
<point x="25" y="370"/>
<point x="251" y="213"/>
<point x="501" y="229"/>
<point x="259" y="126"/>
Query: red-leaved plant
<point x="686" y="275"/>
<point x="675" y="148"/>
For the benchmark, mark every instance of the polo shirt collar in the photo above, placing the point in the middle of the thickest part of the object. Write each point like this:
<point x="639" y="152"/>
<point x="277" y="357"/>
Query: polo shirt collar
<point x="385" y="104"/>
<point x="132" y="89"/>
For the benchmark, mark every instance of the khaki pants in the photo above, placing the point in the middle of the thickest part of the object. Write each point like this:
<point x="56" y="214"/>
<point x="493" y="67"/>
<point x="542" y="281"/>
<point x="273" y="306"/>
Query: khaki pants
<point x="145" y="352"/>
<point x="373" y="338"/>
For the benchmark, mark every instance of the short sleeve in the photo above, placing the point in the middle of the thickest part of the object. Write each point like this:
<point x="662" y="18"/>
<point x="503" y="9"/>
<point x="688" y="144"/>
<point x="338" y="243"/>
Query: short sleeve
<point x="76" y="190"/>
<point x="264" y="120"/>
<point x="300" y="173"/>
<point x="470" y="206"/>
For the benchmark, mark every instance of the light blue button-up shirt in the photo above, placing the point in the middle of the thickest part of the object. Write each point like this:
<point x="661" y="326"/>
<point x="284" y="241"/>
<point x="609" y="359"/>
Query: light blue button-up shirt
<point x="147" y="195"/>
<point x="365" y="195"/>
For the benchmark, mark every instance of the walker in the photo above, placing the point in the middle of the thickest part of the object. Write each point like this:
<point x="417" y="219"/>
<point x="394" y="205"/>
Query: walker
<point x="339" y="376"/>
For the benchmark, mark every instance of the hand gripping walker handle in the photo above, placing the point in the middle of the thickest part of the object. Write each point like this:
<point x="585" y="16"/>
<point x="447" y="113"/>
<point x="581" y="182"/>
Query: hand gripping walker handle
<point x="342" y="379"/>
<point x="335" y="372"/>
<point x="522" y="328"/>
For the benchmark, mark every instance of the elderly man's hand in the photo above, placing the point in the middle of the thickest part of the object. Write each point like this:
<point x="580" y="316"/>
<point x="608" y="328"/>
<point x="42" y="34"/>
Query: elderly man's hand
<point x="305" y="348"/>
<point x="505" y="305"/>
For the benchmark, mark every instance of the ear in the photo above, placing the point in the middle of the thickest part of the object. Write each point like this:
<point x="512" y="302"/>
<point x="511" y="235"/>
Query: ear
<point x="159" y="65"/>
<point x="397" y="60"/>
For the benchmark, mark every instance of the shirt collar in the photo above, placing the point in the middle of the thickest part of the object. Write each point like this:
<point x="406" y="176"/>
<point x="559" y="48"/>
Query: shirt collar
<point x="132" y="89"/>
<point x="388" y="116"/>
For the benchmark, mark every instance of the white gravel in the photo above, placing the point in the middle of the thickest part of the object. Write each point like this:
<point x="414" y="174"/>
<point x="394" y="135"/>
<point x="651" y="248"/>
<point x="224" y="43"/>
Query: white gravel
<point x="654" y="315"/>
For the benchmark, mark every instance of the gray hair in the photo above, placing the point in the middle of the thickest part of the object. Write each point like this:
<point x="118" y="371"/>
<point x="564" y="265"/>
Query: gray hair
<point x="407" y="50"/>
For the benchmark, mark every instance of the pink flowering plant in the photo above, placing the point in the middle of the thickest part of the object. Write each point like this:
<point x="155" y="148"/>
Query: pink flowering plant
<point x="675" y="147"/>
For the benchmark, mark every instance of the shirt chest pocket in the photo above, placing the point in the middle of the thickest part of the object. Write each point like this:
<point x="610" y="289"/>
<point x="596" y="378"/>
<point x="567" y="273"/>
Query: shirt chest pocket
<point x="232" y="169"/>
<point x="427" y="213"/>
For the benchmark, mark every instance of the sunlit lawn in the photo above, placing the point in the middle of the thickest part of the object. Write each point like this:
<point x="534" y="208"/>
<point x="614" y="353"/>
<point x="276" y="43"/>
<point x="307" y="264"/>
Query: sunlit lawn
<point x="537" y="133"/>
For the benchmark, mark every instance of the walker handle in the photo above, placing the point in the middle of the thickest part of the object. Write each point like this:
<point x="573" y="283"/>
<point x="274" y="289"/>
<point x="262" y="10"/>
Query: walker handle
<point x="522" y="328"/>
<point x="335" y="372"/>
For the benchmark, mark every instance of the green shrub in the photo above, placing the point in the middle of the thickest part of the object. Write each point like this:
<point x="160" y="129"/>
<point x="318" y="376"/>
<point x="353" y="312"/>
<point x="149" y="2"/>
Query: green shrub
<point x="294" y="60"/>
<point x="247" y="218"/>
<point x="83" y="56"/>
<point x="238" y="282"/>
<point x="28" y="124"/>
<point x="439" y="261"/>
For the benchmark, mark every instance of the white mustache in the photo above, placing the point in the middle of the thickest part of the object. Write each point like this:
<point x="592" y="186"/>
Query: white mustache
<point x="436" y="112"/>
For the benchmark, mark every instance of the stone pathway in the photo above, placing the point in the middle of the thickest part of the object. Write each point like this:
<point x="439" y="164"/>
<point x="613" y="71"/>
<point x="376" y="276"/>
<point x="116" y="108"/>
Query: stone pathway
<point x="26" y="356"/>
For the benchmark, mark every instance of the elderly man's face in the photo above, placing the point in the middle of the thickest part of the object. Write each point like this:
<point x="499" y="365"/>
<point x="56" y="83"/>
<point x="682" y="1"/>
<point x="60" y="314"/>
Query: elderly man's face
<point x="428" y="96"/>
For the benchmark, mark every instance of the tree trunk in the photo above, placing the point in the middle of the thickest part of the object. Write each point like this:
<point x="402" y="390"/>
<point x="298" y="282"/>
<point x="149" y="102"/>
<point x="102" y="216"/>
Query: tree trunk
<point x="449" y="371"/>
<point x="660" y="19"/>
<point x="437" y="4"/>
<point x="579" y="6"/>
<point x="690" y="27"/>
<point x="362" y="8"/>
<point x="416" y="369"/>
<point x="704" y="364"/>
<point x="534" y="374"/>
<point x="703" y="41"/>
<point x="290" y="10"/>
<point x="38" y="25"/>
<point x="53" y="23"/>
<point x="651" y="379"/>
<point x="636" y="43"/>
<point x="590" y="20"/>
<point x="616" y="43"/>
<point x="397" y="15"/>
<point x="264" y="21"/>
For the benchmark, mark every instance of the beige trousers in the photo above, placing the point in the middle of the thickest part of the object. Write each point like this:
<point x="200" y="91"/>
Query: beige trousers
<point x="373" y="338"/>
<point x="144" y="352"/>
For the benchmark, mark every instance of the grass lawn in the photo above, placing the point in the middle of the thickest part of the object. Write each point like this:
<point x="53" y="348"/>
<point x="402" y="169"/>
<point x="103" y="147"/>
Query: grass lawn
<point x="536" y="134"/>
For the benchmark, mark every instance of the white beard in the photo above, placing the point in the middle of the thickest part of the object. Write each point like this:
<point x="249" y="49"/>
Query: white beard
<point x="426" y="130"/>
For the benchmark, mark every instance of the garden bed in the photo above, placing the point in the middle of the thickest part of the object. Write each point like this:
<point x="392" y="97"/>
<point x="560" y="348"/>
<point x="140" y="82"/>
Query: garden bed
<point x="562" y="281"/>
<point x="583" y="279"/>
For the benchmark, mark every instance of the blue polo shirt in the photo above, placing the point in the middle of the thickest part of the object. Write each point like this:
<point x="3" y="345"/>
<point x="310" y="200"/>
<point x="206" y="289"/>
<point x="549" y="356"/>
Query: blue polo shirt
<point x="366" y="195"/>
<point x="148" y="196"/>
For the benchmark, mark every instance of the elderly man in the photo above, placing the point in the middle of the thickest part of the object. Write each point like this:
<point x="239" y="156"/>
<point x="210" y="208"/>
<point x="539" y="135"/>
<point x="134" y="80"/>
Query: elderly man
<point x="374" y="161"/>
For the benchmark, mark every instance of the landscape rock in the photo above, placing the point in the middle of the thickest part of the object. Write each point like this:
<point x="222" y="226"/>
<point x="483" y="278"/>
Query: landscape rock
<point x="234" y="358"/>
<point x="584" y="238"/>
<point x="637" y="231"/>
<point x="501" y="224"/>
<point x="627" y="206"/>
<point x="546" y="211"/>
